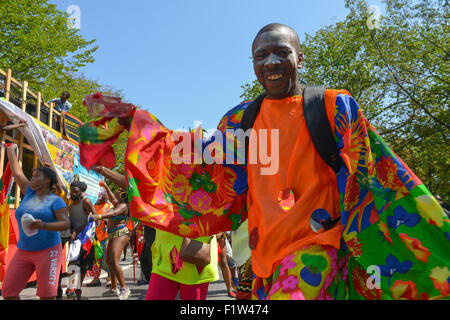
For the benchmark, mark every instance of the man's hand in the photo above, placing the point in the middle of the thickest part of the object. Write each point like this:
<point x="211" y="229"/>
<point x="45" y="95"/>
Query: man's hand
<point x="98" y="169"/>
<point x="47" y="164"/>
<point x="10" y="146"/>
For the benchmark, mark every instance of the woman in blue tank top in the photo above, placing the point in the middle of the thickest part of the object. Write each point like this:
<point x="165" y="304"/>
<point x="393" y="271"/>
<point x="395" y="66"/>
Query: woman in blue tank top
<point x="39" y="246"/>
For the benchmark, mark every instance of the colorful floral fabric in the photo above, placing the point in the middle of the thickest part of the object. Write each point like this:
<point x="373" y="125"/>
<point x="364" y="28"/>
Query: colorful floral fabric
<point x="315" y="272"/>
<point x="395" y="233"/>
<point x="189" y="199"/>
<point x="393" y="224"/>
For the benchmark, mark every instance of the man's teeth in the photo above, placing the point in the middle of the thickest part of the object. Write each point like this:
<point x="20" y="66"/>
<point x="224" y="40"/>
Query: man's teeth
<point x="275" y="77"/>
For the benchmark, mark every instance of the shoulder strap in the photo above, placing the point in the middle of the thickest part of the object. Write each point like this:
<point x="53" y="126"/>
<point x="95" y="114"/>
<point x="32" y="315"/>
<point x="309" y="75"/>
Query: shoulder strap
<point x="315" y="114"/>
<point x="251" y="112"/>
<point x="249" y="117"/>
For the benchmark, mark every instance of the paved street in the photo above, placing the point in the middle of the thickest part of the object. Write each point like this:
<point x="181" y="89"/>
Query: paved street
<point x="216" y="291"/>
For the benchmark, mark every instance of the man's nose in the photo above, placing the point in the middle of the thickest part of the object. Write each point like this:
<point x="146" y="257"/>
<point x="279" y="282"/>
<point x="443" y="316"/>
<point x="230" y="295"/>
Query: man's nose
<point x="272" y="60"/>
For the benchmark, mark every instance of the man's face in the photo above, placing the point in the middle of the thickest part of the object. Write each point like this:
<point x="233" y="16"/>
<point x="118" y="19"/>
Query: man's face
<point x="64" y="96"/>
<point x="275" y="61"/>
<point x="75" y="193"/>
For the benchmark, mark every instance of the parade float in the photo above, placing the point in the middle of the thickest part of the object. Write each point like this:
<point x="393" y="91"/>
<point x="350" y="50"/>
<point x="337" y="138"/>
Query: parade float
<point x="44" y="136"/>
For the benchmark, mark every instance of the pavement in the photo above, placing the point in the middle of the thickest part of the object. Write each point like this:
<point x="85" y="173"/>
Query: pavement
<point x="216" y="290"/>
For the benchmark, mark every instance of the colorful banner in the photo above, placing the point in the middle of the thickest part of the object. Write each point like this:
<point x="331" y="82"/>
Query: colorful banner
<point x="66" y="159"/>
<point x="71" y="125"/>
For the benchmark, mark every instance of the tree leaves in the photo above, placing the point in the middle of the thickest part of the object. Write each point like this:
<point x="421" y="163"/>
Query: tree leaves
<point x="399" y="75"/>
<point x="37" y="45"/>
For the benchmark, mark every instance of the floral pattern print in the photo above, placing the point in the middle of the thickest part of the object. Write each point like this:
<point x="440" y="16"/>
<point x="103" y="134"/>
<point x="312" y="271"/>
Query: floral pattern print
<point x="314" y="272"/>
<point x="393" y="203"/>
<point x="389" y="218"/>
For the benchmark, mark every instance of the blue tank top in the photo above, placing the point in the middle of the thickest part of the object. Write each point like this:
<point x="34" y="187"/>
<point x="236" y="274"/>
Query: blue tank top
<point x="39" y="209"/>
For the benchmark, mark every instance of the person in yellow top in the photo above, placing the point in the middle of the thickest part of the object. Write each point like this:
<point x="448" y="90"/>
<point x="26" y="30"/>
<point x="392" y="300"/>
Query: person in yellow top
<point x="170" y="274"/>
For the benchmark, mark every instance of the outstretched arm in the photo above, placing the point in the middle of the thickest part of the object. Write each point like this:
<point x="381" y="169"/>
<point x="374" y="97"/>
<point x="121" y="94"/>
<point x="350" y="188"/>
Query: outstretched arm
<point x="115" y="177"/>
<point x="16" y="169"/>
<point x="52" y="100"/>
<point x="381" y="198"/>
<point x="112" y="198"/>
<point x="120" y="210"/>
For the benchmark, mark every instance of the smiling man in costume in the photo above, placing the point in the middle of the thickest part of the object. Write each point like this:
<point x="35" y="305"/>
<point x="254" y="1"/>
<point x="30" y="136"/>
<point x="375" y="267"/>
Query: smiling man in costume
<point x="314" y="232"/>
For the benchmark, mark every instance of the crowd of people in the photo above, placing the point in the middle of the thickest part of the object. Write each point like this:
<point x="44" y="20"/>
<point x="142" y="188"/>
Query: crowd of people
<point x="59" y="220"/>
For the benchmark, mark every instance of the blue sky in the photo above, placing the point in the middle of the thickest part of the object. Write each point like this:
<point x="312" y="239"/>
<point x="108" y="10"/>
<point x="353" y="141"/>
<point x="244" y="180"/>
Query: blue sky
<point x="186" y="61"/>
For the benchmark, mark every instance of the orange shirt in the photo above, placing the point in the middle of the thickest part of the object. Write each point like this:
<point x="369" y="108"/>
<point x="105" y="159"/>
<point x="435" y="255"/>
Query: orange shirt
<point x="275" y="233"/>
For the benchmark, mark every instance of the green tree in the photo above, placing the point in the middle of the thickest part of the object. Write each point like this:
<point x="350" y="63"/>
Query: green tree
<point x="79" y="86"/>
<point x="39" y="47"/>
<point x="36" y="43"/>
<point x="398" y="73"/>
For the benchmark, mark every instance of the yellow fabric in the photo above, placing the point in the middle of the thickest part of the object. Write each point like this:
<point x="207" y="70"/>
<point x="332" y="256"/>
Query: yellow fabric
<point x="188" y="274"/>
<point x="4" y="226"/>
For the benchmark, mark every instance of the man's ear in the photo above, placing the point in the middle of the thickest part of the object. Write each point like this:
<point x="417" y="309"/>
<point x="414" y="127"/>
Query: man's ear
<point x="300" y="60"/>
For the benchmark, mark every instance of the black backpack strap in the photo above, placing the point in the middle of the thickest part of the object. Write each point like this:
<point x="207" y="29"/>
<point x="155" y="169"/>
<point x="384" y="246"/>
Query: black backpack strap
<point x="251" y="112"/>
<point x="249" y="117"/>
<point x="315" y="114"/>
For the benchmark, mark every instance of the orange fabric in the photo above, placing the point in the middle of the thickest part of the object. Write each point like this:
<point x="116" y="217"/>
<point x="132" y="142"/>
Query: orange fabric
<point x="130" y="225"/>
<point x="101" y="230"/>
<point x="302" y="170"/>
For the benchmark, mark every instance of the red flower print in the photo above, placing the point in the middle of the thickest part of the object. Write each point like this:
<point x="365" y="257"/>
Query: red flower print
<point x="416" y="247"/>
<point x="351" y="193"/>
<point x="354" y="244"/>
<point x="387" y="173"/>
<point x="237" y="117"/>
<point x="440" y="276"/>
<point x="359" y="278"/>
<point x="224" y="179"/>
<point x="200" y="201"/>
<point x="404" y="290"/>
<point x="385" y="231"/>
<point x="223" y="124"/>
